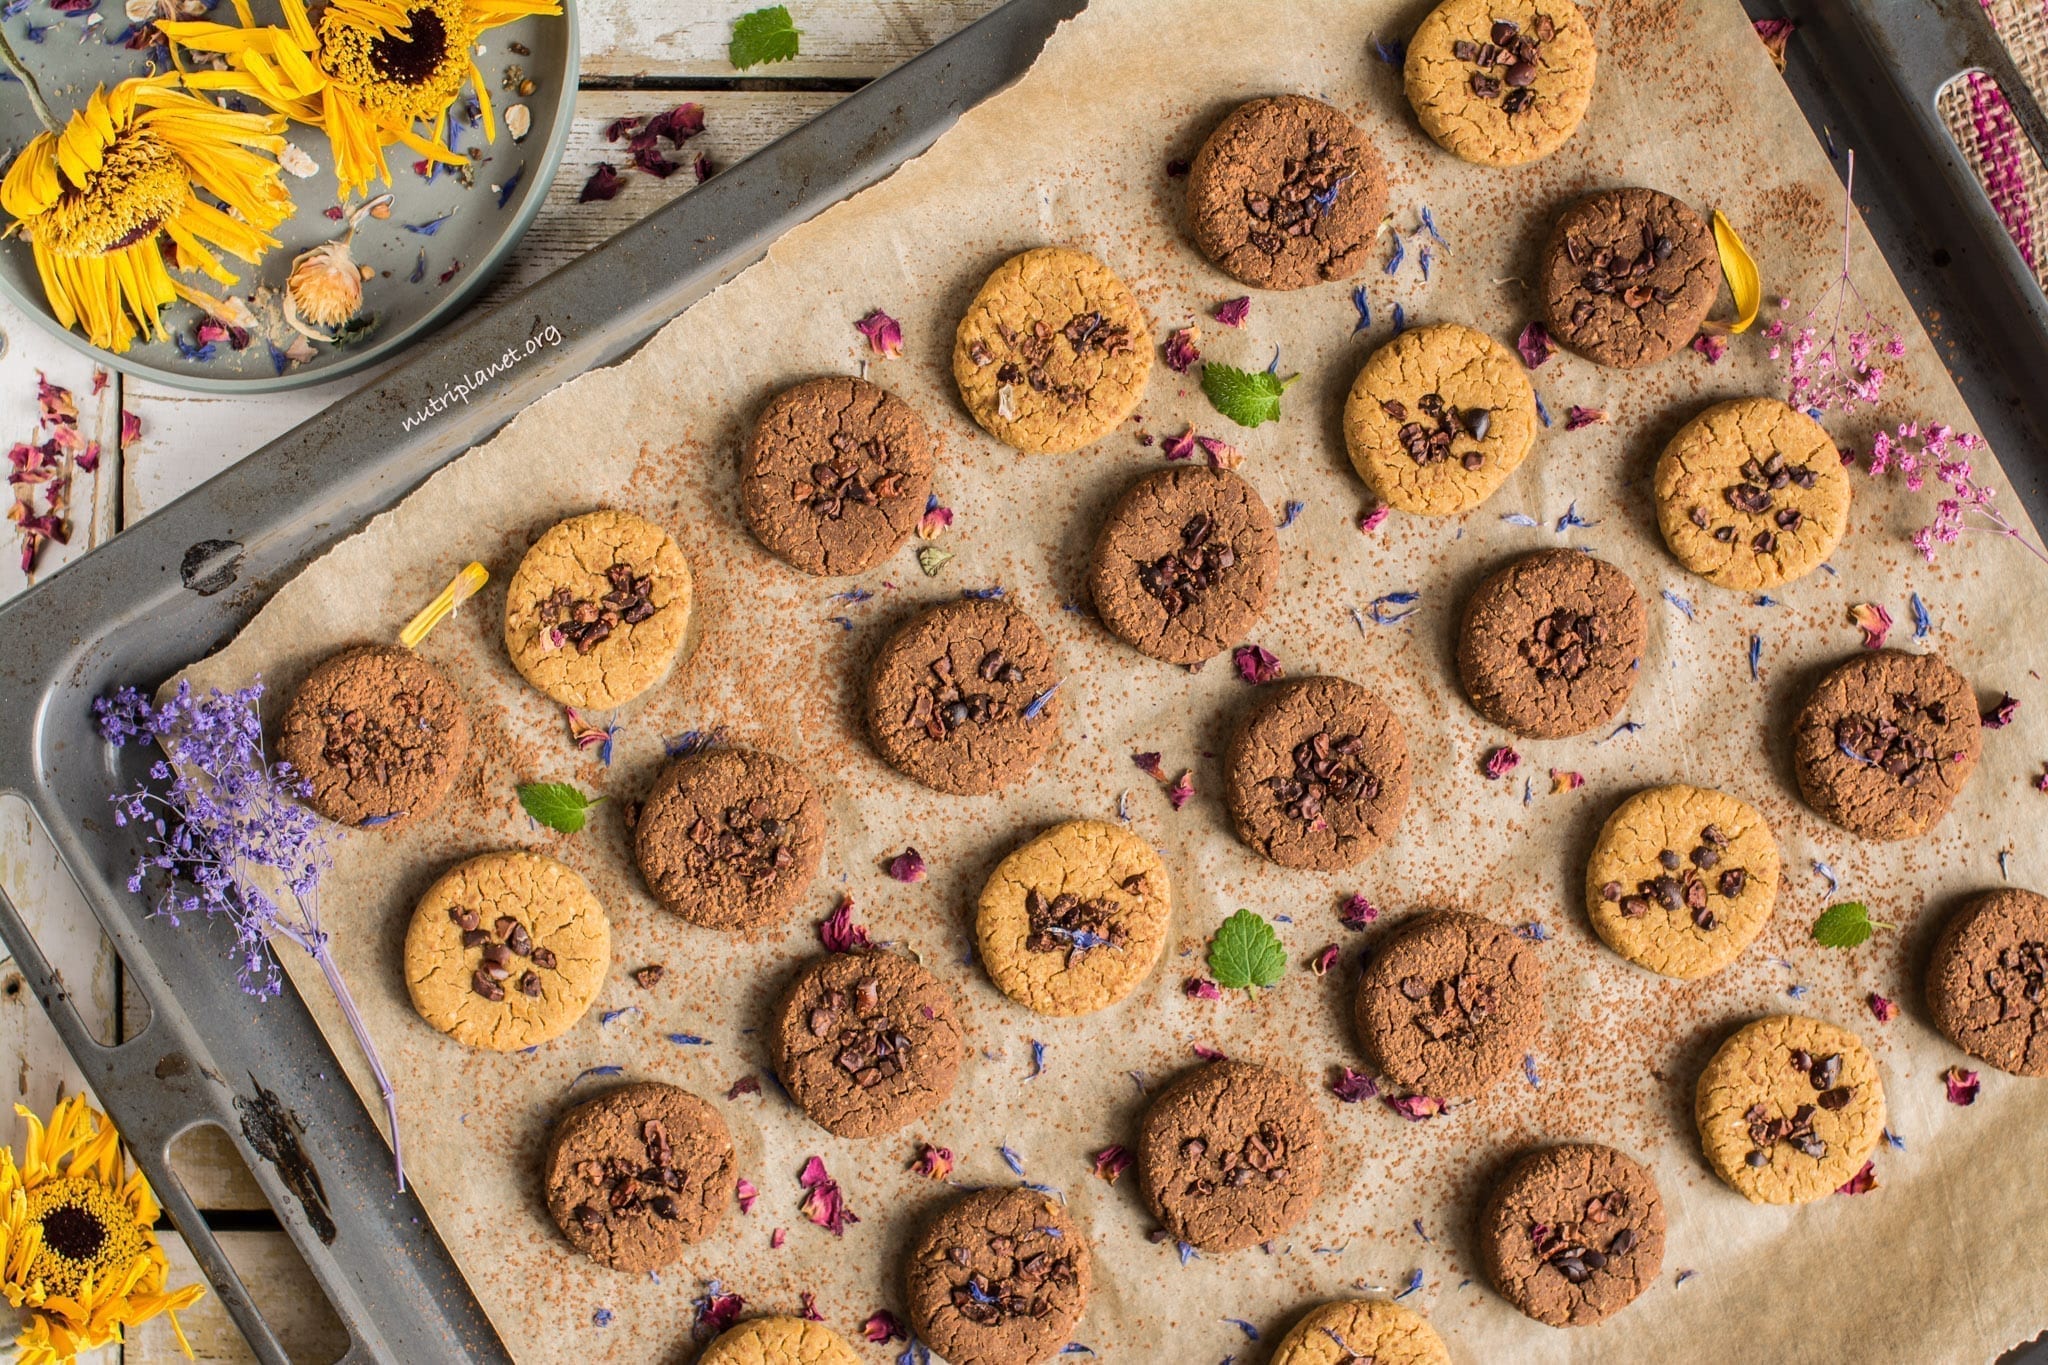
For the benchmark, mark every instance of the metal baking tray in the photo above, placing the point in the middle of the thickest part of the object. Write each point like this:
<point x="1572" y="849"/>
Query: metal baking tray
<point x="186" y="580"/>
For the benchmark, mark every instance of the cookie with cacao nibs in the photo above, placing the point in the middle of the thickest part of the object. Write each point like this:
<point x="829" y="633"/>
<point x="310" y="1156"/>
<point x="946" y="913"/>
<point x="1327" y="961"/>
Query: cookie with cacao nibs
<point x="866" y="1042"/>
<point x="1074" y="920"/>
<point x="638" y="1175"/>
<point x="1185" y="563"/>
<point x="779" y="1340"/>
<point x="1628" y="276"/>
<point x="1789" y="1108"/>
<point x="379" y="734"/>
<point x="1317" y="774"/>
<point x="1361" y="1330"/>
<point x="1449" y="1004"/>
<point x="998" y="1277"/>
<point x="1286" y="193"/>
<point x="1438" y="418"/>
<point x="1987" y="981"/>
<point x="730" y="838"/>
<point x="835" y="475"/>
<point x="1751" y="493"/>
<point x="1682" y="879"/>
<point x="1501" y="82"/>
<point x="964" y="698"/>
<point x="506" y="950"/>
<point x="1550" y="644"/>
<point x="1573" y="1234"/>
<point x="599" y="610"/>
<point x="1231" y="1155"/>
<point x="1887" y="742"/>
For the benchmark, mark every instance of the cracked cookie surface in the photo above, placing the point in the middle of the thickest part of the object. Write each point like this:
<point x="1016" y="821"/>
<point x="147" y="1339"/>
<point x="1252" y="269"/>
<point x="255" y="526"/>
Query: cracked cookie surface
<point x="1887" y="742"/>
<point x="1789" y="1108"/>
<point x="1573" y="1234"/>
<point x="1751" y="493"/>
<point x="865" y="1042"/>
<point x="598" y="609"/>
<point x="1230" y="1155"/>
<point x="506" y="951"/>
<point x="962" y="698"/>
<point x="1682" y="879"/>
<point x="1628" y="276"/>
<point x="1053" y="353"/>
<point x="1550" y="644"/>
<point x="998" y="1277"/>
<point x="1286" y="193"/>
<point x="1438" y="418"/>
<point x="1072" y="921"/>
<point x="1501" y="82"/>
<point x="730" y="838"/>
<point x="1987" y="981"/>
<point x="380" y="734"/>
<point x="779" y="1341"/>
<point x="1185" y="563"/>
<point x="1449" y="1004"/>
<point x="1317" y="774"/>
<point x="835" y="475"/>
<point x="639" y="1174"/>
<point x="1348" y="1331"/>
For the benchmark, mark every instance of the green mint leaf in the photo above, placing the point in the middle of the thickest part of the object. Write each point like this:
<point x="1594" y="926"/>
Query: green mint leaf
<point x="766" y="35"/>
<point x="1246" y="397"/>
<point x="1843" y="926"/>
<point x="557" y="805"/>
<point x="1246" y="952"/>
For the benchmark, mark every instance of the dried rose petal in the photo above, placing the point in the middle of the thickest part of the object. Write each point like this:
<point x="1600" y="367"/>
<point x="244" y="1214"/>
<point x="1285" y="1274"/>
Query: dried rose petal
<point x="937" y="517"/>
<point x="1565" y="780"/>
<point x="1201" y="988"/>
<point x="1502" y="761"/>
<point x="809" y="1310"/>
<point x="2000" y="716"/>
<point x="1576" y="417"/>
<point x="717" y="1312"/>
<point x="1874" y="621"/>
<point x="777" y="1238"/>
<point x="1415" y="1108"/>
<point x="933" y="1163"/>
<point x="747" y="1194"/>
<point x="823" y="1203"/>
<point x="1206" y="1053"/>
<point x="839" y="933"/>
<point x="745" y="1085"/>
<point x="907" y="866"/>
<point x="2041" y="782"/>
<point x="1233" y="312"/>
<point x="1222" y="455"/>
<point x="1183" y="348"/>
<point x="1356" y="912"/>
<point x="1711" y="346"/>
<point x="883" y="1327"/>
<point x="884" y="333"/>
<point x="1256" y="664"/>
<point x="1353" y="1087"/>
<point x="1325" y="958"/>
<point x="1180" y="447"/>
<point x="1962" y="1085"/>
<point x="1371" y="521"/>
<point x="605" y="183"/>
<point x="1776" y="33"/>
<point x="1535" y="344"/>
<point x="1883" y="1008"/>
<point x="1183" y="789"/>
<point x="1111" y="1162"/>
<point x="1863" y="1182"/>
<point x="1148" y="764"/>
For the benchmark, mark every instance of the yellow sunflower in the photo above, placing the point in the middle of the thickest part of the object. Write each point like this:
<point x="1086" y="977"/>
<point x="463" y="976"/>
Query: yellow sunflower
<point x="77" y="1250"/>
<point x="94" y="199"/>
<point x="366" y="72"/>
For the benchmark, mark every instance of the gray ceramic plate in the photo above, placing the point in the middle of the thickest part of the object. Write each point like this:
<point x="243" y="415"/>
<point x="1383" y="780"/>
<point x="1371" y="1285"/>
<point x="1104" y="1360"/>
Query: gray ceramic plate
<point x="440" y="245"/>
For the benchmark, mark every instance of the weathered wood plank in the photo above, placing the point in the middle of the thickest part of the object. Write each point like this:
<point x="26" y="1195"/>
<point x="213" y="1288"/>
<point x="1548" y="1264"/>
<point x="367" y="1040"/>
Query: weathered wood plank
<point x="94" y="498"/>
<point x="841" y="38"/>
<point x="285" y="1291"/>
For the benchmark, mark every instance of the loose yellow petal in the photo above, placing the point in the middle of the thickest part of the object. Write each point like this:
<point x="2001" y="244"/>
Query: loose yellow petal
<point x="1738" y="267"/>
<point x="465" y="586"/>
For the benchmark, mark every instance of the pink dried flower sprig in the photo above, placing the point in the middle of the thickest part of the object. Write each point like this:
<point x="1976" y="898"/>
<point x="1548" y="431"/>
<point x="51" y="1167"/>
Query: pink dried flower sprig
<point x="1914" y="452"/>
<point x="1840" y="370"/>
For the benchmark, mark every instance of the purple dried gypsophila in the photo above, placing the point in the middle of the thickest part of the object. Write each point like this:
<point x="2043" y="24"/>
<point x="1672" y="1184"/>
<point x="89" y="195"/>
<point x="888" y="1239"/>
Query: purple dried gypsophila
<point x="215" y="810"/>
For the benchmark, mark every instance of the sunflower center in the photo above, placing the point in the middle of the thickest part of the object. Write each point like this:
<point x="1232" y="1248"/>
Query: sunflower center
<point x="140" y="184"/>
<point x="412" y="60"/>
<point x="88" y="1232"/>
<point x="74" y="1233"/>
<point x="408" y="75"/>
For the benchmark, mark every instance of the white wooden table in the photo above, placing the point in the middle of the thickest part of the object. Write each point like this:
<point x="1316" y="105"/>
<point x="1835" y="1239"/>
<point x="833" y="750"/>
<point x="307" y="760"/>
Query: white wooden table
<point x="639" y="57"/>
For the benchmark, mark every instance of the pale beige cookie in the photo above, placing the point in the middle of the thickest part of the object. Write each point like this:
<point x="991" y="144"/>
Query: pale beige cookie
<point x="1752" y="493"/>
<point x="1071" y="922"/>
<point x="1789" y="1109"/>
<point x="1350" y="1330"/>
<point x="506" y="950"/>
<point x="1501" y="82"/>
<point x="1682" y="879"/>
<point x="1438" y="418"/>
<point x="599" y="609"/>
<point x="1053" y="352"/>
<point x="779" y="1341"/>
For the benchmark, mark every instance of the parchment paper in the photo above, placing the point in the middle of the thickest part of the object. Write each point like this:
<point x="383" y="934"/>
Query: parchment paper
<point x="1944" y="1261"/>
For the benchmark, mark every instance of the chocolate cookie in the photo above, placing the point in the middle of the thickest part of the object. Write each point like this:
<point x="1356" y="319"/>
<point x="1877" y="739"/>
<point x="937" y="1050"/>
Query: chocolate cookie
<point x="1551" y="643"/>
<point x="1286" y="193"/>
<point x="1449" y="1004"/>
<point x="1071" y="922"/>
<point x="1628" y="276"/>
<point x="1682" y="879"/>
<point x="638" y="1174"/>
<point x="1751" y="493"/>
<point x="1053" y="352"/>
<point x="1788" y="1109"/>
<point x="506" y="951"/>
<point x="1573" y="1234"/>
<point x="599" y="609"/>
<point x="380" y="734"/>
<point x="1231" y="1154"/>
<point x="1184" y="564"/>
<point x="963" y="699"/>
<point x="1317" y="774"/>
<point x="1501" y="82"/>
<point x="866" y="1042"/>
<point x="835" y="475"/>
<point x="779" y="1341"/>
<point x="998" y="1277"/>
<point x="1438" y="418"/>
<point x="730" y="838"/>
<point x="1351" y="1331"/>
<point x="1987" y="983"/>
<point x="1885" y="744"/>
